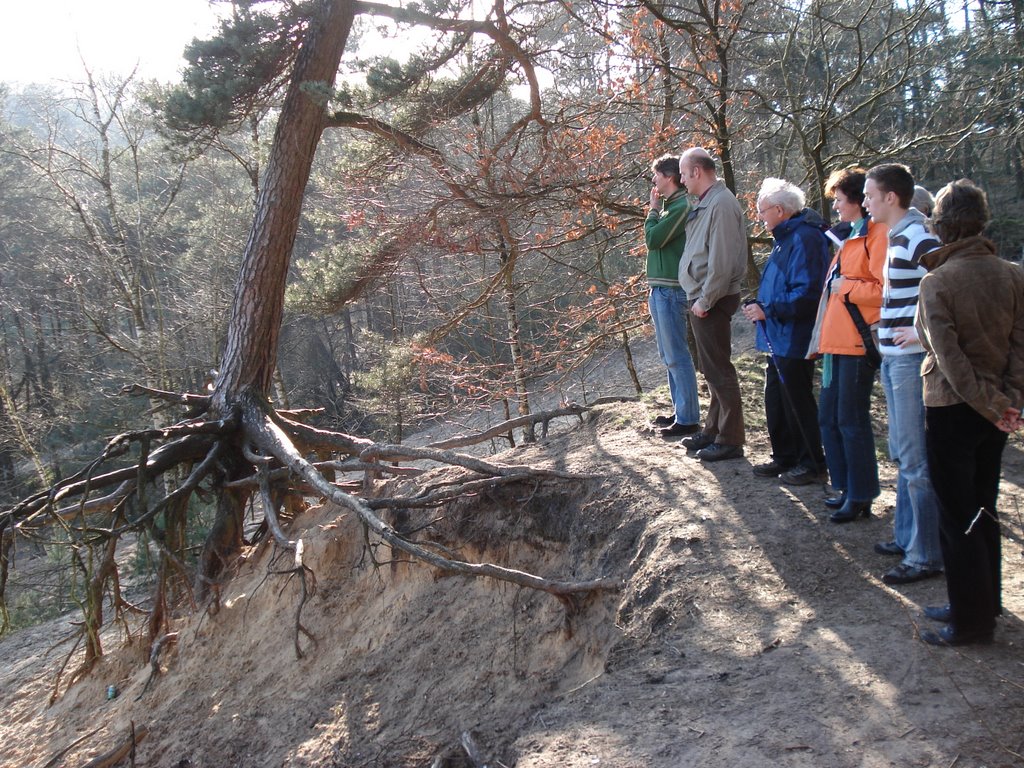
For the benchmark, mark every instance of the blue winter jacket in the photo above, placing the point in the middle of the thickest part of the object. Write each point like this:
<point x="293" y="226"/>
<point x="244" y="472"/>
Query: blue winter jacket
<point x="791" y="284"/>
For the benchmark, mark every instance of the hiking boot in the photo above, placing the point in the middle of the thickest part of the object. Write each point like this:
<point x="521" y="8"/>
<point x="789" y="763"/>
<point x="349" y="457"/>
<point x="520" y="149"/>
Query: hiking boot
<point x="697" y="441"/>
<point x="771" y="468"/>
<point x="803" y="476"/>
<point x="720" y="452"/>
<point x="907" y="574"/>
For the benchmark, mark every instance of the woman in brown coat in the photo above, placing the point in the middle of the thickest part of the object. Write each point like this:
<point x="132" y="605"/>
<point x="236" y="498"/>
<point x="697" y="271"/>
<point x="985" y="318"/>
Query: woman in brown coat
<point x="971" y="323"/>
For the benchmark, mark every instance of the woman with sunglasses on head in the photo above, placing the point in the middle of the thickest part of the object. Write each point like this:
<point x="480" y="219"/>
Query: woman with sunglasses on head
<point x="850" y="303"/>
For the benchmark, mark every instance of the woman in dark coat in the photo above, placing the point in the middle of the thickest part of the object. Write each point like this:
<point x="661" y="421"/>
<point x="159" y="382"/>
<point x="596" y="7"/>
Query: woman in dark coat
<point x="971" y="322"/>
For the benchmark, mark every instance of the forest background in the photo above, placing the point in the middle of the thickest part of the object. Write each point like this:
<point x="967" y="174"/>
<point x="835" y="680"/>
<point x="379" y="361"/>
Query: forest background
<point x="474" y="213"/>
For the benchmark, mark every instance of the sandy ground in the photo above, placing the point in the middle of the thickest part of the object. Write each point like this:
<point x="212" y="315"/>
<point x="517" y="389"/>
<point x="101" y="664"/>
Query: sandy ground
<point x="749" y="631"/>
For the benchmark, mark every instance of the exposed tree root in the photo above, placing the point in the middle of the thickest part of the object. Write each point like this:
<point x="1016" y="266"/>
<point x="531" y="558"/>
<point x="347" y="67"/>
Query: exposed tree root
<point x="154" y="659"/>
<point x="307" y="580"/>
<point x="265" y="433"/>
<point x="55" y="693"/>
<point x="254" y="452"/>
<point x="507" y="426"/>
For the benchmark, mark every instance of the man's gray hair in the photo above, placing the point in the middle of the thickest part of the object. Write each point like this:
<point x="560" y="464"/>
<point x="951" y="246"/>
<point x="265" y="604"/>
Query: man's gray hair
<point x="782" y="193"/>
<point x="923" y="200"/>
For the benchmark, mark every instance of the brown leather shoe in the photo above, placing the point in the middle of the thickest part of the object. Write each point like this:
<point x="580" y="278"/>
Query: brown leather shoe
<point x="804" y="476"/>
<point x="771" y="468"/>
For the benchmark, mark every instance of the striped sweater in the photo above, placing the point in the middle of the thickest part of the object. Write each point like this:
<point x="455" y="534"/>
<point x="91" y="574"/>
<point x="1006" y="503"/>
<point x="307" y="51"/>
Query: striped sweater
<point x="909" y="240"/>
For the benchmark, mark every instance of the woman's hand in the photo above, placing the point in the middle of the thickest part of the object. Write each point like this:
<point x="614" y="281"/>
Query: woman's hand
<point x="1011" y="420"/>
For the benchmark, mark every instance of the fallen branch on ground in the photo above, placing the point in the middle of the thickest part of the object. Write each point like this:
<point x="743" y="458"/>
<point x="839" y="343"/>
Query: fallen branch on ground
<point x="121" y="751"/>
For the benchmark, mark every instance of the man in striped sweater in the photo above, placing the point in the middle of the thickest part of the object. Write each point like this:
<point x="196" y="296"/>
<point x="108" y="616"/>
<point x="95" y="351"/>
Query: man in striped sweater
<point x="888" y="192"/>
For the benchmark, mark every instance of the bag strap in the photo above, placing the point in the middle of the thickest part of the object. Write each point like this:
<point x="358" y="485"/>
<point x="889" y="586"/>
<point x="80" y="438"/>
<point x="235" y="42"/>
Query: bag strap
<point x="870" y="350"/>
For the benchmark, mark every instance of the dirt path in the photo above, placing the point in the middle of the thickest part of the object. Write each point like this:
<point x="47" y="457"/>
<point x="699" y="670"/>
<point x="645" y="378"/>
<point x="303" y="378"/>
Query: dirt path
<point x="758" y="633"/>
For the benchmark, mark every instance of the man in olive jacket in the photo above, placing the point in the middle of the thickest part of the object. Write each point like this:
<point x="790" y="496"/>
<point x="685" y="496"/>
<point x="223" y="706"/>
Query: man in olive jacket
<point x="711" y="271"/>
<point x="665" y="236"/>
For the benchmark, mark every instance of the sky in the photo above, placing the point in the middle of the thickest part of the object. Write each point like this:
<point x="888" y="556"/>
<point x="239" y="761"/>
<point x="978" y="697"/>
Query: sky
<point x="45" y="41"/>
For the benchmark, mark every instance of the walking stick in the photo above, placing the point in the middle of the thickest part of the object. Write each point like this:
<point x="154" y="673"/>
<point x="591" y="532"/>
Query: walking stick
<point x="785" y="387"/>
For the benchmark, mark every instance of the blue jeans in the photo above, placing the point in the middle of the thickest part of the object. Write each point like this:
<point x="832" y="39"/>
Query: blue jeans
<point x="844" y="415"/>
<point x="916" y="522"/>
<point x="669" y="309"/>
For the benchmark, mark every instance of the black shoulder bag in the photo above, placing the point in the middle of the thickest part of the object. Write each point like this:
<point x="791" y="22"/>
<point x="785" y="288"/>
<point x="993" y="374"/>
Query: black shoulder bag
<point x="867" y="335"/>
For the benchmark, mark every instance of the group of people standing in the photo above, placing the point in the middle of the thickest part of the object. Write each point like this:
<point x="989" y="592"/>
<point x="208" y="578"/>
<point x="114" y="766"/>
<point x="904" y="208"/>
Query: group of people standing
<point x="926" y="303"/>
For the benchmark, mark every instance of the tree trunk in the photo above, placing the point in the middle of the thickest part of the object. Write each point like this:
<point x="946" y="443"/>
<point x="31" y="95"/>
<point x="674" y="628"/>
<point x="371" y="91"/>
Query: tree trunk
<point x="515" y="339"/>
<point x="250" y="355"/>
<point x="254" y="325"/>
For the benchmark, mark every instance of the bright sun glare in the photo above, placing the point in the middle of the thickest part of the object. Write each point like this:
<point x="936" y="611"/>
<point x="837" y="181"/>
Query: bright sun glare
<point x="44" y="42"/>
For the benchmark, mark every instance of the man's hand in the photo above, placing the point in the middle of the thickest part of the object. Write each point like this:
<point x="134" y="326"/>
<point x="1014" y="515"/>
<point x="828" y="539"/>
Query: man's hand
<point x="904" y="336"/>
<point x="753" y="312"/>
<point x="655" y="199"/>
<point x="698" y="308"/>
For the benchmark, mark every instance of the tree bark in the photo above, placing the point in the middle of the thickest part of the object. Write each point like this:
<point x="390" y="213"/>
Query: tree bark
<point x="254" y="325"/>
<point x="250" y="355"/>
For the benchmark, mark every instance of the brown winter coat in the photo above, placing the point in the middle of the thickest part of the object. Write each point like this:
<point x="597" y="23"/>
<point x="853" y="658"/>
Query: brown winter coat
<point x="970" y="318"/>
<point x="862" y="264"/>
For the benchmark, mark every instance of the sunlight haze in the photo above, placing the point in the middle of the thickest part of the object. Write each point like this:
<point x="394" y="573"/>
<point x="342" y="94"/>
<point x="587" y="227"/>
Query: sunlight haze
<point x="47" y="42"/>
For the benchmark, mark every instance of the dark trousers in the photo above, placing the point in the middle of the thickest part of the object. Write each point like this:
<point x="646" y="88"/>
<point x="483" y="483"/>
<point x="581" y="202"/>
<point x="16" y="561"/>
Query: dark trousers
<point x="713" y="335"/>
<point x="792" y="412"/>
<point x="964" y="454"/>
<point x="844" y="413"/>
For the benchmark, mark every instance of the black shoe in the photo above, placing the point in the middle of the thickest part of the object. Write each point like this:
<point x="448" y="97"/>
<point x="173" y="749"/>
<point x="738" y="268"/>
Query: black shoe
<point x="835" y="502"/>
<point x="698" y="441"/>
<point x="949" y="635"/>
<point x="772" y="468"/>
<point x="678" y="430"/>
<point x="665" y="421"/>
<point x="720" y="452"/>
<point x="889" y="548"/>
<point x="803" y="476"/>
<point x="907" y="574"/>
<point x="940" y="613"/>
<point x="850" y="511"/>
